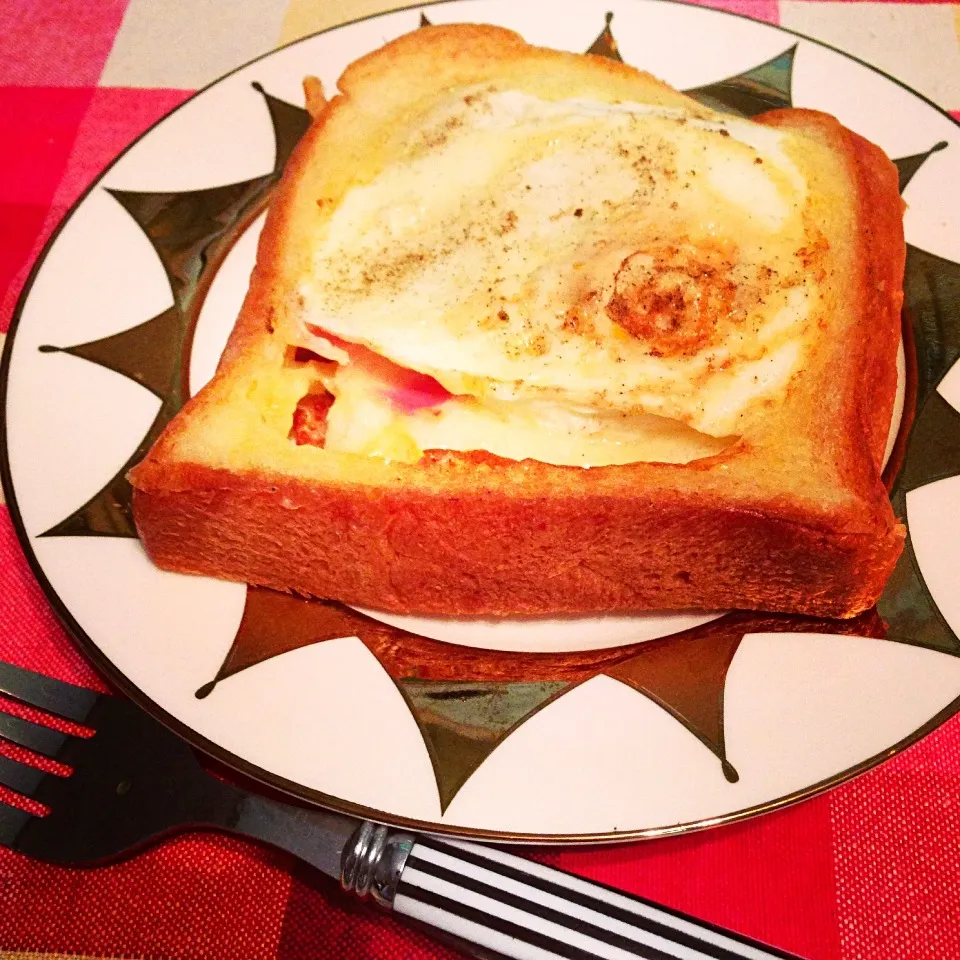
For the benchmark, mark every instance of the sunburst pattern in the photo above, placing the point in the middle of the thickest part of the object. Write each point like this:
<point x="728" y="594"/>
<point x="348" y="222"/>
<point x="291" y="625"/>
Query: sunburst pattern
<point x="466" y="701"/>
<point x="932" y="450"/>
<point x="191" y="233"/>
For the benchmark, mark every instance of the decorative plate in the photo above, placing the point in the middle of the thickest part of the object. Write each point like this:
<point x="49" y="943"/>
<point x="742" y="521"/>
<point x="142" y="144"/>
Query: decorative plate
<point x="581" y="728"/>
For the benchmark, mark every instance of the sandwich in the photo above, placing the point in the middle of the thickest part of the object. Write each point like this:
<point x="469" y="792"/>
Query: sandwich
<point x="531" y="332"/>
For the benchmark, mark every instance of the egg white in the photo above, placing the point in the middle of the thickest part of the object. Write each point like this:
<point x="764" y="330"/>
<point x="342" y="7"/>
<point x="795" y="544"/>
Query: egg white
<point x="490" y="253"/>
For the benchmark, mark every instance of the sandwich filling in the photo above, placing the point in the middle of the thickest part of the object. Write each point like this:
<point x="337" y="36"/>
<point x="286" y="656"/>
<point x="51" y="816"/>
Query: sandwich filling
<point x="574" y="281"/>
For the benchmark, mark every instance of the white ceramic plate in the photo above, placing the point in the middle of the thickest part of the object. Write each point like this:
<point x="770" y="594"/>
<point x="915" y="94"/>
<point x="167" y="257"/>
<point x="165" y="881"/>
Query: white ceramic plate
<point x="580" y="728"/>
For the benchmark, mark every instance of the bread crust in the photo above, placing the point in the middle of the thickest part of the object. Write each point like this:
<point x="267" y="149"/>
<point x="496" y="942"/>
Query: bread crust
<point x="473" y="534"/>
<point x="492" y="553"/>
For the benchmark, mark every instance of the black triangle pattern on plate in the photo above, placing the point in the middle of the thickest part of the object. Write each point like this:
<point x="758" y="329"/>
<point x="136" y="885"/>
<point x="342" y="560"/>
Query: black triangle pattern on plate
<point x="606" y="44"/>
<point x="764" y="87"/>
<point x="908" y="166"/>
<point x="191" y="233"/>
<point x="910" y="611"/>
<point x="931" y="291"/>
<point x="290" y="123"/>
<point x="932" y="302"/>
<point x="148" y="353"/>
<point x="463" y="723"/>
<point x="108" y="513"/>
<point x="686" y="676"/>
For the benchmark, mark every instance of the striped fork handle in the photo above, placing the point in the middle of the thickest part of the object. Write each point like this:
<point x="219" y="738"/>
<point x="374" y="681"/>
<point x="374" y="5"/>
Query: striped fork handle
<point x="494" y="904"/>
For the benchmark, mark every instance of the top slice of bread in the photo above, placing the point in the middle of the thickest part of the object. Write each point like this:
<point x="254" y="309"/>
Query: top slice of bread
<point x="792" y="516"/>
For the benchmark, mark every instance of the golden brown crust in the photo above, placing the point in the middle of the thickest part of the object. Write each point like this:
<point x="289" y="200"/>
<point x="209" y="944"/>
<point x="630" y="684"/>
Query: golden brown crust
<point x="493" y="553"/>
<point x="883" y="254"/>
<point x="796" y="519"/>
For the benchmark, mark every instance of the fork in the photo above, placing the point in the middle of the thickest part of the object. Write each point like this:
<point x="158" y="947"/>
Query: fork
<point x="134" y="781"/>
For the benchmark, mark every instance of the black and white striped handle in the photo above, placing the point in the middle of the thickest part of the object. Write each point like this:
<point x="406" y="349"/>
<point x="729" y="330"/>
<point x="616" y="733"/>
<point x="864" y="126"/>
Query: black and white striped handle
<point x="510" y="907"/>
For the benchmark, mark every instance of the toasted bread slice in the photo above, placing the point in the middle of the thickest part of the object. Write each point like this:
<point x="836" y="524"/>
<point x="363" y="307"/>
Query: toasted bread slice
<point x="742" y="487"/>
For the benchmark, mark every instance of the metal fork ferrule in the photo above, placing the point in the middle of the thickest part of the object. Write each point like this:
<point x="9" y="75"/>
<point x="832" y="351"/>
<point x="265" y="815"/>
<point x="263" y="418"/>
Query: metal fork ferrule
<point x="373" y="861"/>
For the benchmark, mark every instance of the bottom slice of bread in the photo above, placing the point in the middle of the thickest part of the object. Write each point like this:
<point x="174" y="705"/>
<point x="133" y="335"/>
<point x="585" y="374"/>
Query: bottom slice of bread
<point x="487" y="552"/>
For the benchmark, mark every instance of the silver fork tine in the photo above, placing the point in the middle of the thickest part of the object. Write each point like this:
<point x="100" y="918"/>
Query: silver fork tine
<point x="31" y="735"/>
<point x="62" y="699"/>
<point x="12" y="822"/>
<point x="19" y="776"/>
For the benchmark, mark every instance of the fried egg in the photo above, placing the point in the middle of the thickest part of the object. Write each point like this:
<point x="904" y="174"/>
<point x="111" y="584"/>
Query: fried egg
<point x="637" y="280"/>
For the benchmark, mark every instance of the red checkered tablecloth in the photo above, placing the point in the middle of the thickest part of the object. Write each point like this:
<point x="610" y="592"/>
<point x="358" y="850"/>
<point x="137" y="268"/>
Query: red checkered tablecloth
<point x="868" y="871"/>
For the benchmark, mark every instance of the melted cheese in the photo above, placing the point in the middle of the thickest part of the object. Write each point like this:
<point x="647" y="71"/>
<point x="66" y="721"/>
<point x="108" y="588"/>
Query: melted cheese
<point x="631" y="280"/>
<point x="362" y="420"/>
